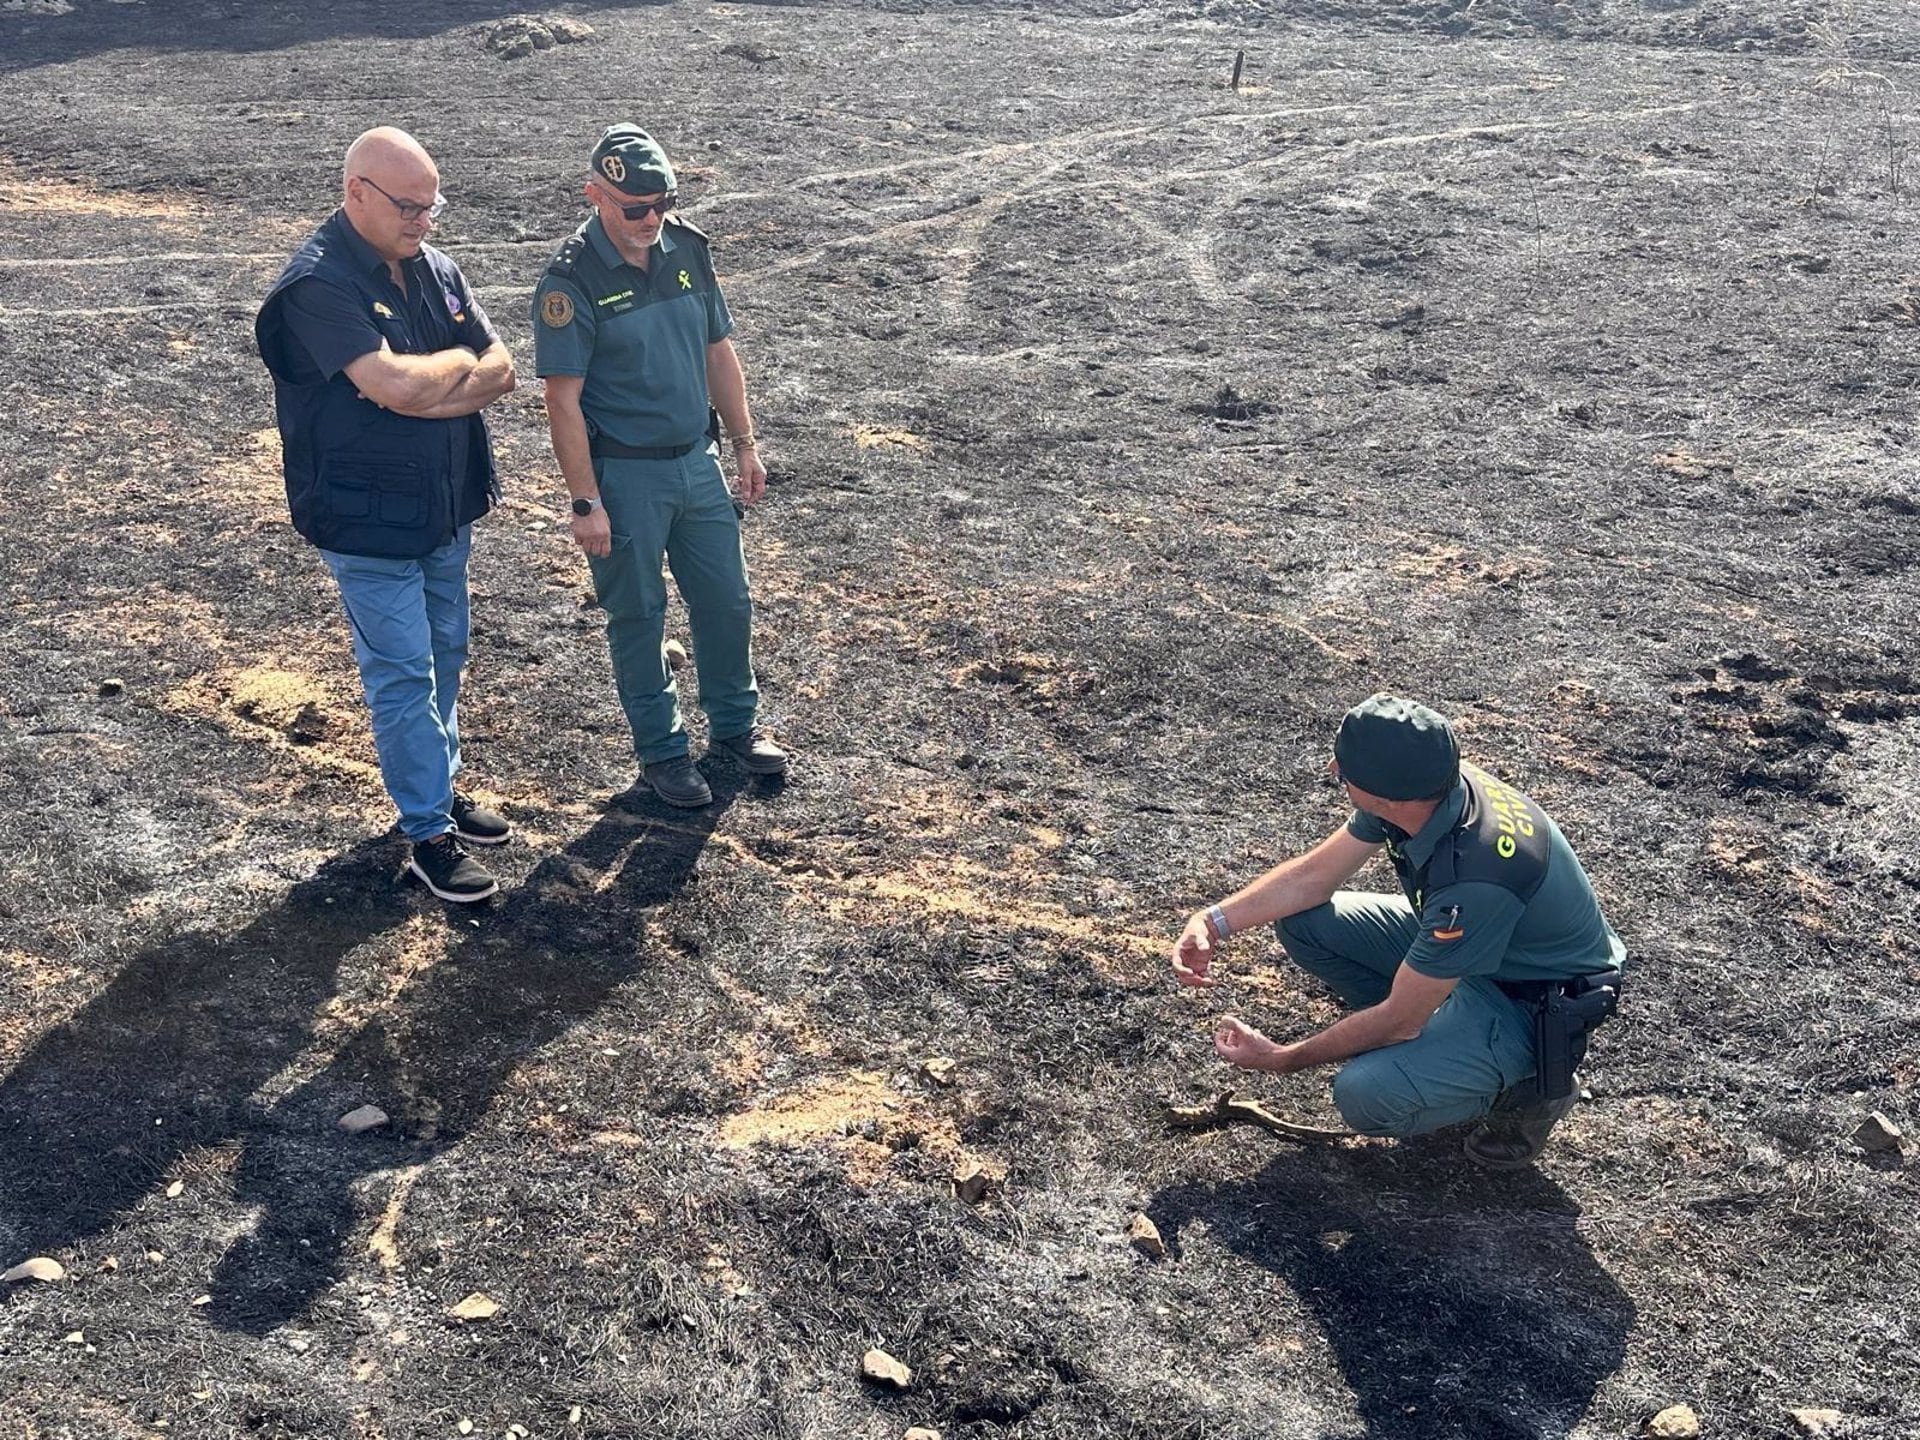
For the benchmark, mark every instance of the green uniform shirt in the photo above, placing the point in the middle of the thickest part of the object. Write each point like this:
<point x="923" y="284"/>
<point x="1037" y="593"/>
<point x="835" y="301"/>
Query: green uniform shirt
<point x="1509" y="900"/>
<point x="641" y="341"/>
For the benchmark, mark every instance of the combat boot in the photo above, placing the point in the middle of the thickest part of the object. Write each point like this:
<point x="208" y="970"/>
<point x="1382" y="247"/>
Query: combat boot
<point x="1516" y="1130"/>
<point x="677" y="782"/>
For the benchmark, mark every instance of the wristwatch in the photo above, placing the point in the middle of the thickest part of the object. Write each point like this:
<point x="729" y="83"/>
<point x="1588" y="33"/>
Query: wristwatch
<point x="586" y="506"/>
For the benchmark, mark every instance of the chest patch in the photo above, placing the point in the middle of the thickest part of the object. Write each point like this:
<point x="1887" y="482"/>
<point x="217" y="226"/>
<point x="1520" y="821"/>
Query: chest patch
<point x="556" y="309"/>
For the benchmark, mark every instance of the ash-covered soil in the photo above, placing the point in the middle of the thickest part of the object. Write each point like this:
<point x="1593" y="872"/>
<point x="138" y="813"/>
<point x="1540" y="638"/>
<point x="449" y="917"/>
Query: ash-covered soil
<point x="1552" y="362"/>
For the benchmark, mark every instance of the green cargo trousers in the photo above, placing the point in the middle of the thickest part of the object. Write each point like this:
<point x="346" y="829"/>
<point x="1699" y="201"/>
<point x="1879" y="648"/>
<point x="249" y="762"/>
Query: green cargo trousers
<point x="683" y="510"/>
<point x="1478" y="1043"/>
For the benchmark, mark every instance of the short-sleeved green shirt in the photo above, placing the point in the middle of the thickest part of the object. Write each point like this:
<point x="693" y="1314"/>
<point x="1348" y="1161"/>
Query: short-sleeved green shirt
<point x="640" y="344"/>
<point x="1547" y="926"/>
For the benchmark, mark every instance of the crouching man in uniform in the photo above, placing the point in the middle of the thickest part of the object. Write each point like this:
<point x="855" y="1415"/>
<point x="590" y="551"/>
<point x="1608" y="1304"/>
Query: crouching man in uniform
<point x="1473" y="992"/>
<point x="382" y="362"/>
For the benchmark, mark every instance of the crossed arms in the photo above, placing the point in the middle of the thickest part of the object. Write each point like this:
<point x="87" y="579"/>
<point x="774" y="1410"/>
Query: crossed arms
<point x="440" y="386"/>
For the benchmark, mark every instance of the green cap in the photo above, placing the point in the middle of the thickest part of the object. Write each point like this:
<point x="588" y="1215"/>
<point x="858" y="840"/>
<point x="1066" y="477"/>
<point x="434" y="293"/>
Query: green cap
<point x="632" y="161"/>
<point x="1397" y="749"/>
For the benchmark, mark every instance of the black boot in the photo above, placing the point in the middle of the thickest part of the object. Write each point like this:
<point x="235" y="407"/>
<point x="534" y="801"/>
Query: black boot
<point x="1516" y="1130"/>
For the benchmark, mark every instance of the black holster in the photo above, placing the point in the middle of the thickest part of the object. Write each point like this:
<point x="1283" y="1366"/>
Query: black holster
<point x="1565" y="1014"/>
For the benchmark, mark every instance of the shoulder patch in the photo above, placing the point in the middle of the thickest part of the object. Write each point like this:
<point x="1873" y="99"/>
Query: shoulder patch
<point x="563" y="263"/>
<point x="679" y="222"/>
<point x="556" y="309"/>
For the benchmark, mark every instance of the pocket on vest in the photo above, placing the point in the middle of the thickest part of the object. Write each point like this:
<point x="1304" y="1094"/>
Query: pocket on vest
<point x="385" y="492"/>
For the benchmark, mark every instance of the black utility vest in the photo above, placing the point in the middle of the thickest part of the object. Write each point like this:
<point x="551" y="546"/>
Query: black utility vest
<point x="362" y="480"/>
<point x="1500" y="839"/>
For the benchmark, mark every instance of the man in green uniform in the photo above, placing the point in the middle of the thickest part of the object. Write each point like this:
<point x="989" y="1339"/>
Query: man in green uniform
<point x="1472" y="995"/>
<point x="631" y="337"/>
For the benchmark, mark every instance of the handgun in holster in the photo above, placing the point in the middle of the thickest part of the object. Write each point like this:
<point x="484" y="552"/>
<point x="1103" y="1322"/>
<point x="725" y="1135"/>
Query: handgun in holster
<point x="1562" y="1020"/>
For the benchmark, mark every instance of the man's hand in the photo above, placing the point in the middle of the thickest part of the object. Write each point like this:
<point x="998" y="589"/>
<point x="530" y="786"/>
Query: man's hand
<point x="1193" y="953"/>
<point x="753" y="475"/>
<point x="1238" y="1043"/>
<point x="592" y="533"/>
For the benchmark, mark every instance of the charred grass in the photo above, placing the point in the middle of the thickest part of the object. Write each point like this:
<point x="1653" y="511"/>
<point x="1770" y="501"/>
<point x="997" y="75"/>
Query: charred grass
<point x="1553" y="363"/>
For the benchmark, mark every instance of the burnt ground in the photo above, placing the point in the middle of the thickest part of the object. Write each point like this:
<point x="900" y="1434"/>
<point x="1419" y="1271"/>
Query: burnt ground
<point x="1554" y="363"/>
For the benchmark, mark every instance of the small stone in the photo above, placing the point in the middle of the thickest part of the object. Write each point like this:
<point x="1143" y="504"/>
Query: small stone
<point x="110" y="1264"/>
<point x="975" y="1183"/>
<point x="154" y="1257"/>
<point x="1877" y="1133"/>
<point x="1144" y="1235"/>
<point x="573" y="1416"/>
<point x="367" y="1117"/>
<point x="198" y="1301"/>
<point x="111" y="687"/>
<point x="1817" y="1422"/>
<point x="676" y="654"/>
<point x="173" y="1190"/>
<point x="939" y="1069"/>
<point x="567" y="30"/>
<point x="920" y="1432"/>
<point x="1676" y="1422"/>
<point x="465" y="1427"/>
<point x="882" y="1368"/>
<point x="475" y="1307"/>
<point x="39" y="1268"/>
<point x="75" y="1337"/>
<point x="299" y="1344"/>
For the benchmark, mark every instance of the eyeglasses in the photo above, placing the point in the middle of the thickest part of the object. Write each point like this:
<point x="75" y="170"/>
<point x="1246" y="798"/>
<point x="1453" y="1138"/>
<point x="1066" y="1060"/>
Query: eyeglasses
<point x="412" y="209"/>
<point x="653" y="207"/>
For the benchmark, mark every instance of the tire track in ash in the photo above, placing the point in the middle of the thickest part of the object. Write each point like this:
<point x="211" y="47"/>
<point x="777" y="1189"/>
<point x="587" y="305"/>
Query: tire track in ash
<point x="947" y="218"/>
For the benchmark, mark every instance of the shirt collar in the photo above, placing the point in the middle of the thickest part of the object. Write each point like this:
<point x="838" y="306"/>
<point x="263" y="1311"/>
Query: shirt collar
<point x="365" y="257"/>
<point x="1419" y="848"/>
<point x="604" y="247"/>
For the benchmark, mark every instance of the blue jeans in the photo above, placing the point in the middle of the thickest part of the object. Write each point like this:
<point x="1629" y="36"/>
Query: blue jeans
<point x="410" y="629"/>
<point x="682" y="509"/>
<point x="1478" y="1043"/>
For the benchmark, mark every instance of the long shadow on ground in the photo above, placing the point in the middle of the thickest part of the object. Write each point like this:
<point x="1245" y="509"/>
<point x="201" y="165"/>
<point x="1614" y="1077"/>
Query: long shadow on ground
<point x="551" y="954"/>
<point x="169" y="1058"/>
<point x="165" y="1059"/>
<point x="1457" y="1304"/>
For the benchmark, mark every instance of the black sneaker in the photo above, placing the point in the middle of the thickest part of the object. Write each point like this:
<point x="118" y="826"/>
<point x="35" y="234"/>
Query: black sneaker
<point x="756" y="752"/>
<point x="446" y="869"/>
<point x="677" y="782"/>
<point x="478" y="825"/>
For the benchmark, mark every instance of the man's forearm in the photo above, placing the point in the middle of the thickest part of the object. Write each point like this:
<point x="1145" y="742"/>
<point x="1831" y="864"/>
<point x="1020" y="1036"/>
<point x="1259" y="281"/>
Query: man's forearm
<point x="1287" y="889"/>
<point x="1354" y="1034"/>
<point x="485" y="381"/>
<point x="727" y="388"/>
<point x="432" y="378"/>
<point x="568" y="428"/>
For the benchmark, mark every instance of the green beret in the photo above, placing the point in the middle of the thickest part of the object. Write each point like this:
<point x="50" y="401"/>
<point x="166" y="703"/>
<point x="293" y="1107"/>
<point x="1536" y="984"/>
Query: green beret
<point x="1397" y="749"/>
<point x="632" y="161"/>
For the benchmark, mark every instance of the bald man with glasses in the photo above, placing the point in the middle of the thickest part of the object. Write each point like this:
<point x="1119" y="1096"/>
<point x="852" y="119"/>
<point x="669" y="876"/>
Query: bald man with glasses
<point x="382" y="361"/>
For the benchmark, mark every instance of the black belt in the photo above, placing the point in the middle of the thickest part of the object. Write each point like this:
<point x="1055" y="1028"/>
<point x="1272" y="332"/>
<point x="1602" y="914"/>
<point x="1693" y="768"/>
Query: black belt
<point x="605" y="449"/>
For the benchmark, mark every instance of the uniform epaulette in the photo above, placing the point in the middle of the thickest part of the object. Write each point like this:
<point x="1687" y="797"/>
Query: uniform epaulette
<point x="562" y="264"/>
<point x="680" y="222"/>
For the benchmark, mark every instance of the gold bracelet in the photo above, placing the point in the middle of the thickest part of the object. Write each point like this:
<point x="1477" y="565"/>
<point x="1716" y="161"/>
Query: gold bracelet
<point x="745" y="442"/>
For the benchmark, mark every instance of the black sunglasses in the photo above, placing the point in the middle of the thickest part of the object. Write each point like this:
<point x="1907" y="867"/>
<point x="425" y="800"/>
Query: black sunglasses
<point x="655" y="207"/>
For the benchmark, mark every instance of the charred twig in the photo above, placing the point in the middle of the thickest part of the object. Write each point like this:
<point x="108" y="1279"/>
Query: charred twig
<point x="1239" y="59"/>
<point x="1228" y="1110"/>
